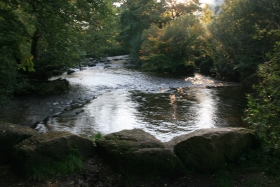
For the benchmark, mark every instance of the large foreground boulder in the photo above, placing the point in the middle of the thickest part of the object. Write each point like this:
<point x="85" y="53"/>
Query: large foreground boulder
<point x="137" y="152"/>
<point x="208" y="149"/>
<point x="10" y="135"/>
<point x="52" y="146"/>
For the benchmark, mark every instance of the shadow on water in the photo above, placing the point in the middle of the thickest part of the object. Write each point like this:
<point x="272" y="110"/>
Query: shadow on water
<point x="127" y="98"/>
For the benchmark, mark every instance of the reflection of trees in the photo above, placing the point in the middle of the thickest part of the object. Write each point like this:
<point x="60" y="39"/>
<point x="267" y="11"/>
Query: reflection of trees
<point x="230" y="106"/>
<point x="163" y="107"/>
<point x="191" y="108"/>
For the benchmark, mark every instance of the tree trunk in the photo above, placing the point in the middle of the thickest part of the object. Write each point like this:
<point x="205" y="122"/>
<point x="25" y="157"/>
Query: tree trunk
<point x="34" y="45"/>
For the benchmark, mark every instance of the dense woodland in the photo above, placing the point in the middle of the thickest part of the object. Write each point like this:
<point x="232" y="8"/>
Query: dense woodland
<point x="237" y="41"/>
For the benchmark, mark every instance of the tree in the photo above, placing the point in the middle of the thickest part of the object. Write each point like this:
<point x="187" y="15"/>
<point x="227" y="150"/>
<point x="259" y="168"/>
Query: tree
<point x="177" y="9"/>
<point x="263" y="110"/>
<point x="58" y="25"/>
<point x="101" y="39"/>
<point x="138" y="16"/>
<point x="37" y="36"/>
<point x="172" y="48"/>
<point x="263" y="113"/>
<point x="207" y="15"/>
<point x="237" y="51"/>
<point x="13" y="35"/>
<point x="141" y="15"/>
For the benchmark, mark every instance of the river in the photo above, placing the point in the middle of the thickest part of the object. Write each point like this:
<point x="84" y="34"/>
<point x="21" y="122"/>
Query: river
<point x="113" y="96"/>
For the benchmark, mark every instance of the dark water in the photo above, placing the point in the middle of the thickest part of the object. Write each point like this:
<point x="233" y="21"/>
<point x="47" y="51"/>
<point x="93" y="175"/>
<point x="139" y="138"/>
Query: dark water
<point x="126" y="98"/>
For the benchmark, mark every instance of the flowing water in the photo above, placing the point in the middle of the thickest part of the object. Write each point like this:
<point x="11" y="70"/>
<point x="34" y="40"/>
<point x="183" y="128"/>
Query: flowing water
<point x="118" y="97"/>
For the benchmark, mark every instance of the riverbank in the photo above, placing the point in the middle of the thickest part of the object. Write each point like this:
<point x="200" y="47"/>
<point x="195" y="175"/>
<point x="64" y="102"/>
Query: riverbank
<point x="139" y="159"/>
<point x="252" y="173"/>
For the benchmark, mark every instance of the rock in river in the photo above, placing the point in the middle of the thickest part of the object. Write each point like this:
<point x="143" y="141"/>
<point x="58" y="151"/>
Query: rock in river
<point x="70" y="71"/>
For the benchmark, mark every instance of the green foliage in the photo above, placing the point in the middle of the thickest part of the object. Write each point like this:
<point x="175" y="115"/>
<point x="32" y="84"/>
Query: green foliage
<point x="237" y="50"/>
<point x="12" y="32"/>
<point x="37" y="37"/>
<point x="175" y="46"/>
<point x="254" y="168"/>
<point x="137" y="16"/>
<point x="263" y="111"/>
<point x="71" y="163"/>
<point x="206" y="66"/>
<point x="135" y="46"/>
<point x="260" y="161"/>
<point x="141" y="15"/>
<point x="95" y="137"/>
<point x="207" y="15"/>
<point x="7" y="79"/>
<point x="100" y="38"/>
<point x="176" y="9"/>
<point x="224" y="179"/>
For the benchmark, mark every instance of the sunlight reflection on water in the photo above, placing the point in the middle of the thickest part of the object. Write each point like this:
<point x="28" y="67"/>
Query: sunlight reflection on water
<point x="162" y="114"/>
<point x="162" y="105"/>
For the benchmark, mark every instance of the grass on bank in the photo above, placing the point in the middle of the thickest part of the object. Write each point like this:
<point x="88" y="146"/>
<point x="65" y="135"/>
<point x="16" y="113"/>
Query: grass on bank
<point x="254" y="169"/>
<point x="72" y="162"/>
<point x="95" y="137"/>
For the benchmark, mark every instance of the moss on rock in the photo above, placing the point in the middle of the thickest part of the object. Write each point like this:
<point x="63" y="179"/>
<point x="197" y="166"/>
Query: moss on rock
<point x="134" y="152"/>
<point x="50" y="147"/>
<point x="10" y="135"/>
<point x="208" y="149"/>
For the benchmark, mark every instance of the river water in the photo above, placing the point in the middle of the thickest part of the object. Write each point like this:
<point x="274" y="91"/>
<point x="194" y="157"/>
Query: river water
<point x="110" y="99"/>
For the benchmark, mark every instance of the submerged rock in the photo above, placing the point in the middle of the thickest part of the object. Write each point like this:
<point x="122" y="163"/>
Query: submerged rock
<point x="137" y="152"/>
<point x="209" y="149"/>
<point x="10" y="135"/>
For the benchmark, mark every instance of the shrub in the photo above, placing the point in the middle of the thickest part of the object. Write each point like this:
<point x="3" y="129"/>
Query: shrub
<point x="263" y="112"/>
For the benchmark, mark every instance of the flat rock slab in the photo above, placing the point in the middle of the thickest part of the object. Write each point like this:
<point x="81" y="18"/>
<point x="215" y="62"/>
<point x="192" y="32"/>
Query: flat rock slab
<point x="208" y="149"/>
<point x="10" y="135"/>
<point x="137" y="152"/>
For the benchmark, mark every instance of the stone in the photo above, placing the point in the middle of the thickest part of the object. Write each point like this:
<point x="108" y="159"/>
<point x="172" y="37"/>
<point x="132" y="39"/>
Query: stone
<point x="91" y="64"/>
<point x="51" y="146"/>
<point x="208" y="149"/>
<point x="106" y="67"/>
<point x="10" y="135"/>
<point x="137" y="152"/>
<point x="70" y="71"/>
